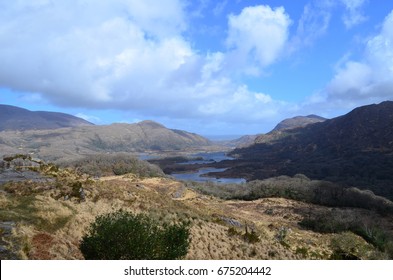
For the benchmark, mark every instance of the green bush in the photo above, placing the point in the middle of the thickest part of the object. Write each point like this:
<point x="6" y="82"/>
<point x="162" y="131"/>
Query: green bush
<point x="115" y="164"/>
<point x="124" y="236"/>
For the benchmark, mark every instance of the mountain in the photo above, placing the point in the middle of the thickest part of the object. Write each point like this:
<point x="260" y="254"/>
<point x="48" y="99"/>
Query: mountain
<point x="299" y="121"/>
<point x="276" y="133"/>
<point x="243" y="141"/>
<point x="15" y="118"/>
<point x="281" y="129"/>
<point x="354" y="149"/>
<point x="73" y="142"/>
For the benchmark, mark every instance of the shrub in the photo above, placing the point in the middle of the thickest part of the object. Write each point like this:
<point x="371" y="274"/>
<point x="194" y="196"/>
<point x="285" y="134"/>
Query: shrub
<point x="342" y="221"/>
<point x="347" y="246"/>
<point x="116" y="164"/>
<point x="122" y="235"/>
<point x="251" y="237"/>
<point x="300" y="188"/>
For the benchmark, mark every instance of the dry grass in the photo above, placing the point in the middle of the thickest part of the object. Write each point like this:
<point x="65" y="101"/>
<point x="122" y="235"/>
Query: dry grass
<point x="51" y="227"/>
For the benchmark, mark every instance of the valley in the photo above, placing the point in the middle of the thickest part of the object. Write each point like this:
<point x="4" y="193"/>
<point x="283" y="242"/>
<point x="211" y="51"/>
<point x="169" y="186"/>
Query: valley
<point x="311" y="188"/>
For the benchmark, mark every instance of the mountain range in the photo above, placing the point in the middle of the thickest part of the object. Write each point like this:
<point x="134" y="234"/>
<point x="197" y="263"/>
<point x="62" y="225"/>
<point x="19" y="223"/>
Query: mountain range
<point x="354" y="149"/>
<point x="58" y="136"/>
<point x="46" y="209"/>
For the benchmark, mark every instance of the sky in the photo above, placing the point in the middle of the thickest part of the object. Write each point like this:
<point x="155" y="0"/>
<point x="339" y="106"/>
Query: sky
<point x="206" y="66"/>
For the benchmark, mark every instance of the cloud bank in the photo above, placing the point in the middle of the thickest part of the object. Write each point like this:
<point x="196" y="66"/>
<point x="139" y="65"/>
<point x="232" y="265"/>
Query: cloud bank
<point x="136" y="56"/>
<point x="132" y="55"/>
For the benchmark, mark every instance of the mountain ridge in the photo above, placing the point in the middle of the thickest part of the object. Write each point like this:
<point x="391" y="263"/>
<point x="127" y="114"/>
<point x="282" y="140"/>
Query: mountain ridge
<point x="17" y="118"/>
<point x="354" y="149"/>
<point x="72" y="142"/>
<point x="276" y="132"/>
<point x="54" y="139"/>
<point x="298" y="121"/>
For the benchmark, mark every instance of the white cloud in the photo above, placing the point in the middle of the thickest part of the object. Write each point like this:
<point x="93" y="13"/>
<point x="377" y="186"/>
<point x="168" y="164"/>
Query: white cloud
<point x="259" y="33"/>
<point x="362" y="82"/>
<point x="353" y="81"/>
<point x="89" y="52"/>
<point x="354" y="14"/>
<point x="131" y="55"/>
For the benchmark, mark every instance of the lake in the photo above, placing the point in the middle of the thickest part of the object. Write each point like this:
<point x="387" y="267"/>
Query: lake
<point x="197" y="176"/>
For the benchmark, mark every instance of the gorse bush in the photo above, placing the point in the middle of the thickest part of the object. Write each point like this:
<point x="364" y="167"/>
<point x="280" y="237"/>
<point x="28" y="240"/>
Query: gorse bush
<point x="124" y="236"/>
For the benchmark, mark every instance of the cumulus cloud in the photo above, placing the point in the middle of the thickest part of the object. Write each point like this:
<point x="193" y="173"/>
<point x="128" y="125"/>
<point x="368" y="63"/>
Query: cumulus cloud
<point x="361" y="82"/>
<point x="132" y="55"/>
<point x="259" y="33"/>
<point x="83" y="50"/>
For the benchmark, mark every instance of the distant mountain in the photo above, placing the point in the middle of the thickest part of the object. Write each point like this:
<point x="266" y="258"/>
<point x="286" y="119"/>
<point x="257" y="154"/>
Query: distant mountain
<point x="356" y="149"/>
<point x="277" y="132"/>
<point x="70" y="143"/>
<point x="15" y="118"/>
<point x="243" y="141"/>
<point x="299" y="121"/>
<point x="284" y="126"/>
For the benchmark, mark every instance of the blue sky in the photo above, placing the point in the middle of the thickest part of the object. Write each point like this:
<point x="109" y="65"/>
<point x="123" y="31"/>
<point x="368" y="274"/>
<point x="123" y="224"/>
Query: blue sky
<point x="210" y="67"/>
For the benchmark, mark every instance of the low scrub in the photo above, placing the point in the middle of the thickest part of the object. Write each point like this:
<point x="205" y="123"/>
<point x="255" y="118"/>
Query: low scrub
<point x="299" y="188"/>
<point x="336" y="221"/>
<point x="116" y="164"/>
<point x="124" y="236"/>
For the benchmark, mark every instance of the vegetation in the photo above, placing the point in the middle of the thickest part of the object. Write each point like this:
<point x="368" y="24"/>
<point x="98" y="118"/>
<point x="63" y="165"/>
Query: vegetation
<point x="348" y="246"/>
<point x="340" y="221"/>
<point x="122" y="235"/>
<point x="116" y="164"/>
<point x="299" y="188"/>
<point x="250" y="237"/>
<point x="52" y="209"/>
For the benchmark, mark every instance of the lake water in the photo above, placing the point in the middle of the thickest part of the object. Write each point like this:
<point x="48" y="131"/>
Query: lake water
<point x="144" y="156"/>
<point x="208" y="158"/>
<point x="197" y="176"/>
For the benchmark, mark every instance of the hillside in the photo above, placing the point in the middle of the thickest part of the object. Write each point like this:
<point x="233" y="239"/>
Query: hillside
<point x="45" y="217"/>
<point x="280" y="130"/>
<point x="298" y="121"/>
<point x="71" y="143"/>
<point x="18" y="119"/>
<point x="277" y="132"/>
<point x="355" y="149"/>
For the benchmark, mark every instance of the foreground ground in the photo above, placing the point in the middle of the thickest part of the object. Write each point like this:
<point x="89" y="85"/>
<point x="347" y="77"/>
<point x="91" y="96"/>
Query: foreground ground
<point x="40" y="222"/>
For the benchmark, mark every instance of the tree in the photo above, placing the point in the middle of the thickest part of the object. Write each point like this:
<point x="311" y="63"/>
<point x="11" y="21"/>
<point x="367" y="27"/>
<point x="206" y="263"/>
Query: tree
<point x="122" y="235"/>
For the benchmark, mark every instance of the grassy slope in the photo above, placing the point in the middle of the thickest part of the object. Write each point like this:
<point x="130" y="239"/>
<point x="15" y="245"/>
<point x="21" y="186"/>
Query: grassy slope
<point x="74" y="143"/>
<point x="49" y="227"/>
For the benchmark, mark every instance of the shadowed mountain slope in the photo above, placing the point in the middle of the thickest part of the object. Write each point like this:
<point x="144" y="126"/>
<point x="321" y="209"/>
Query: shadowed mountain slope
<point x="356" y="149"/>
